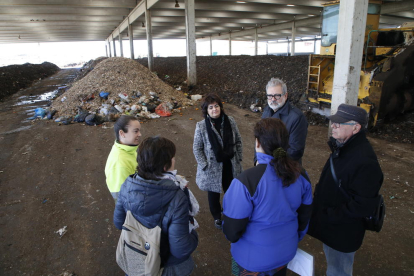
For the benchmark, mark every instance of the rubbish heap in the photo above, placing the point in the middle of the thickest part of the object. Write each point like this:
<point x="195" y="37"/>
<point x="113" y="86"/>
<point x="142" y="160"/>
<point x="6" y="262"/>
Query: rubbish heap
<point x="114" y="87"/>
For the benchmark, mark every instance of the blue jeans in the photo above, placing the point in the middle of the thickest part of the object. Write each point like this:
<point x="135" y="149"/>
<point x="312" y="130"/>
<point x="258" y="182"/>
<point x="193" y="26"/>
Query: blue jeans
<point x="339" y="263"/>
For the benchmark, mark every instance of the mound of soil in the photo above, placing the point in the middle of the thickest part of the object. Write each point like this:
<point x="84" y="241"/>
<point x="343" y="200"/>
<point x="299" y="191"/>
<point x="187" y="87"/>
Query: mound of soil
<point x="127" y="83"/>
<point x="16" y="77"/>
<point x="240" y="80"/>
<point x="89" y="66"/>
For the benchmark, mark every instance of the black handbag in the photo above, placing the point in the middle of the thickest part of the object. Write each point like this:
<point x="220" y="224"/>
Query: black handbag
<point x="371" y="223"/>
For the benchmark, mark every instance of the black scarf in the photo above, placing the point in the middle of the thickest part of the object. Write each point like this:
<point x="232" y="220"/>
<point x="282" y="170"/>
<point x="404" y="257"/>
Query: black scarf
<point x="227" y="151"/>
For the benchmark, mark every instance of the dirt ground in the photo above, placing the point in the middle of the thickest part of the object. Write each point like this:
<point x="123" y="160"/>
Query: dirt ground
<point x="52" y="176"/>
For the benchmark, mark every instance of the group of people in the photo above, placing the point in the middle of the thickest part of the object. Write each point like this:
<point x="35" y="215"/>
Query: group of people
<point x="266" y="209"/>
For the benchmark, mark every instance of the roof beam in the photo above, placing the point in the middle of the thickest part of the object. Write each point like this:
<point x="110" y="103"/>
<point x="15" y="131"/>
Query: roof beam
<point x="72" y="3"/>
<point x="59" y="17"/>
<point x="266" y="8"/>
<point x="398" y="6"/>
<point x="32" y="10"/>
<point x="229" y="14"/>
<point x="313" y="3"/>
<point x="132" y="16"/>
<point x="288" y="25"/>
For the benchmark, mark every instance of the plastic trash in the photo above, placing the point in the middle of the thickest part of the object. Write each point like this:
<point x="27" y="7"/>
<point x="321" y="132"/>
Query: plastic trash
<point x="62" y="231"/>
<point x="142" y="99"/>
<point x="154" y="116"/>
<point x="80" y="117"/>
<point x="137" y="94"/>
<point x="104" y="111"/>
<point x="88" y="98"/>
<point x="113" y="110"/>
<point x="39" y="113"/>
<point x="66" y="120"/>
<point x="104" y="95"/>
<point x="196" y="97"/>
<point x="151" y="107"/>
<point x="123" y="96"/>
<point x="93" y="120"/>
<point x="50" y="114"/>
<point x="63" y="99"/>
<point x="163" y="110"/>
<point x="119" y="108"/>
<point x="135" y="107"/>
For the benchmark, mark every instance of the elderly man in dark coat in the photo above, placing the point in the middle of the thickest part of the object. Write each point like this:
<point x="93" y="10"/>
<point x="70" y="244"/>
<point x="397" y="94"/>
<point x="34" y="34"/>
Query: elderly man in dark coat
<point x="279" y="107"/>
<point x="339" y="207"/>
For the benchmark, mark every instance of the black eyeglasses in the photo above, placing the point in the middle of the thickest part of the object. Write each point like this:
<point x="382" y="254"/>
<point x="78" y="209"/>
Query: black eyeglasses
<point x="276" y="96"/>
<point x="338" y="125"/>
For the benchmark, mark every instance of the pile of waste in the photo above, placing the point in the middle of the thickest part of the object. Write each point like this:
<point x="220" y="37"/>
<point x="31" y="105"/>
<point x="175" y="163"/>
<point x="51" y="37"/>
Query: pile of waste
<point x="16" y="77"/>
<point x="114" y="87"/>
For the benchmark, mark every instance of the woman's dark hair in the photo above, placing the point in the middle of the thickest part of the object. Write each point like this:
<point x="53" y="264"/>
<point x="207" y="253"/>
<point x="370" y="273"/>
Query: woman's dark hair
<point x="210" y="99"/>
<point x="274" y="139"/>
<point x="122" y="124"/>
<point x="154" y="155"/>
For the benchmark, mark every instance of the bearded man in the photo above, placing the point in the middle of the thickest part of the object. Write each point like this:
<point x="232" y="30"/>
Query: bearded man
<point x="279" y="107"/>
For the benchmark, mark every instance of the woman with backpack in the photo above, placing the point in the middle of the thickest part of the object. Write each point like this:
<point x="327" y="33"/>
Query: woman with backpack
<point x="150" y="199"/>
<point x="267" y="208"/>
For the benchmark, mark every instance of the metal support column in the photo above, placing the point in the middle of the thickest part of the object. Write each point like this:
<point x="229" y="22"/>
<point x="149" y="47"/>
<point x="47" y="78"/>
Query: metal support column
<point x="149" y="38"/>
<point x="230" y="44"/>
<point x="211" y="46"/>
<point x="109" y="48"/>
<point x="255" y="42"/>
<point x="350" y="43"/>
<point x="106" y="50"/>
<point x="287" y="53"/>
<point x="120" y="44"/>
<point x="191" y="43"/>
<point x="131" y="39"/>
<point x="293" y="38"/>
<point x="113" y="43"/>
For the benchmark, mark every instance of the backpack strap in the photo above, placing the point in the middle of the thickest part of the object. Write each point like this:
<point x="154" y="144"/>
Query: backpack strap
<point x="168" y="204"/>
<point x="338" y="182"/>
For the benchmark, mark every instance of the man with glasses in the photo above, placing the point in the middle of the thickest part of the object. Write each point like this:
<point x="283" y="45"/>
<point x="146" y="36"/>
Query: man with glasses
<point x="340" y="206"/>
<point x="279" y="107"/>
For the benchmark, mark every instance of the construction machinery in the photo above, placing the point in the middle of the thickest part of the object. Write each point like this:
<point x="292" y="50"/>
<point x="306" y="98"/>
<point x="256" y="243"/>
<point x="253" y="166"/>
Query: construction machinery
<point x="386" y="86"/>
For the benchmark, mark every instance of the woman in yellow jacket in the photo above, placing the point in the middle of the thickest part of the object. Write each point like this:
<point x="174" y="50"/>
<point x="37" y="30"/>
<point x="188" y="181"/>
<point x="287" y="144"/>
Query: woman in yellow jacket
<point x="122" y="160"/>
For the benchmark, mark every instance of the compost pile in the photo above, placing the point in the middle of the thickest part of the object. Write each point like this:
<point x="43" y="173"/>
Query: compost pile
<point x="118" y="86"/>
<point x="239" y="80"/>
<point x="16" y="77"/>
<point x="88" y="66"/>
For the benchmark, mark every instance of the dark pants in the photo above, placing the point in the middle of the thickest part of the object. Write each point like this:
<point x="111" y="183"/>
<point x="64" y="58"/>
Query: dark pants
<point x="238" y="270"/>
<point x="214" y="198"/>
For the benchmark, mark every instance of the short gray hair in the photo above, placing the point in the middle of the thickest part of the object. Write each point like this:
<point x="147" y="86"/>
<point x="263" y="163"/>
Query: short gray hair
<point x="277" y="82"/>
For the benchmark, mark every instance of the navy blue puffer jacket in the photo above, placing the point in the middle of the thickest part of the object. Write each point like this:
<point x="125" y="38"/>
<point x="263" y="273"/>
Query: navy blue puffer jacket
<point x="147" y="200"/>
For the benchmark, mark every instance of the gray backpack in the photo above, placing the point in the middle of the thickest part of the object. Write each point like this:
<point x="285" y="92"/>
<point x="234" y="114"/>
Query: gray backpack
<point x="138" y="251"/>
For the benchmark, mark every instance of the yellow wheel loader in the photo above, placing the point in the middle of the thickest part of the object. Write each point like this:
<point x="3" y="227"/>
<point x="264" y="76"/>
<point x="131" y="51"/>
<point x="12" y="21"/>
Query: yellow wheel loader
<point x="386" y="86"/>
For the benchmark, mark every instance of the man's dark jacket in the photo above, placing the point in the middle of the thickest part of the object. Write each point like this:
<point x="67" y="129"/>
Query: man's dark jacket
<point x="296" y="124"/>
<point x="337" y="221"/>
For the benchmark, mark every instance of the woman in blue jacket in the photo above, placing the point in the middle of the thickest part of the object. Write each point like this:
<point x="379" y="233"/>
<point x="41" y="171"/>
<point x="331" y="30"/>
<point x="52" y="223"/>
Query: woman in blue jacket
<point x="267" y="208"/>
<point x="148" y="195"/>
